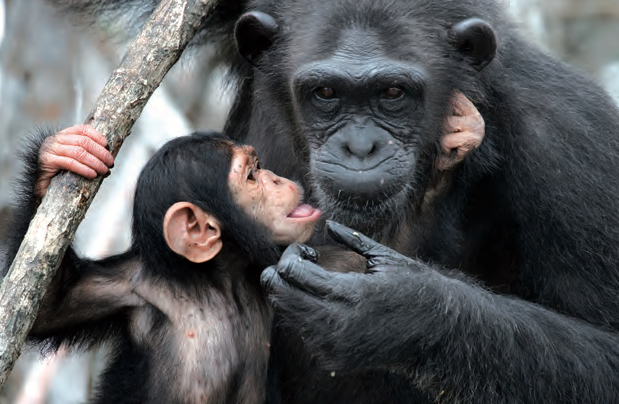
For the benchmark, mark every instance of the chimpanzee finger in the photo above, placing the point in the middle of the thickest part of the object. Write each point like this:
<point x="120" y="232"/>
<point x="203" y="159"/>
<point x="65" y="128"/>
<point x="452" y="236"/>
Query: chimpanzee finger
<point x="461" y="105"/>
<point x="90" y="146"/>
<point x="284" y="296"/>
<point x="86" y="130"/>
<point x="79" y="155"/>
<point x="459" y="124"/>
<point x="359" y="243"/>
<point x="271" y="281"/>
<point x="66" y="163"/>
<point x="308" y="253"/>
<point x="307" y="276"/>
<point x="455" y="124"/>
<point x="463" y="142"/>
<point x="299" y="251"/>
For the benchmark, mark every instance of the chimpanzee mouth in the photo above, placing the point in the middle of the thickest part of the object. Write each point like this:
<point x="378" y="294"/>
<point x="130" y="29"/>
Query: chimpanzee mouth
<point x="364" y="214"/>
<point x="304" y="212"/>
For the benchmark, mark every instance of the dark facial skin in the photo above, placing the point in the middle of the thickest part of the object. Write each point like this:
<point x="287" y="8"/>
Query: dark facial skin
<point x="359" y="110"/>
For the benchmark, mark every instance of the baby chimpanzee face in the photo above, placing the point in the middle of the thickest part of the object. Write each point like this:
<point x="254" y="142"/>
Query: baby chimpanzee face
<point x="273" y="201"/>
<point x="192" y="227"/>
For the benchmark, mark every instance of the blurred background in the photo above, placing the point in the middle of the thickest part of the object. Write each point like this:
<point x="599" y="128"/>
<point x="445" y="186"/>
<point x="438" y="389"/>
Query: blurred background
<point x="51" y="72"/>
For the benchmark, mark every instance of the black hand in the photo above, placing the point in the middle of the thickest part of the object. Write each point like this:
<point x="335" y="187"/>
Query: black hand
<point x="378" y="256"/>
<point x="296" y="269"/>
<point x="345" y="318"/>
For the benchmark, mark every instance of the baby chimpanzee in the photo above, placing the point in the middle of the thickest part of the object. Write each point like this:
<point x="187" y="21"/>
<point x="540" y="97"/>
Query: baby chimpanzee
<point x="183" y="308"/>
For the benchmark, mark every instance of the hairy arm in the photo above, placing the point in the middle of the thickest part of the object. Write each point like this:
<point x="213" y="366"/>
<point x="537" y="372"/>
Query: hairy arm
<point x="455" y="340"/>
<point x="80" y="149"/>
<point x="87" y="301"/>
<point x="86" y="297"/>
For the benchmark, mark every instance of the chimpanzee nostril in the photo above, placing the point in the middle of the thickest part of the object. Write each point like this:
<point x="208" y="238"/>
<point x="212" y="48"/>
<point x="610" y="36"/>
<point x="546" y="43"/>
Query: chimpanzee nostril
<point x="347" y="151"/>
<point x="361" y="148"/>
<point x="361" y="143"/>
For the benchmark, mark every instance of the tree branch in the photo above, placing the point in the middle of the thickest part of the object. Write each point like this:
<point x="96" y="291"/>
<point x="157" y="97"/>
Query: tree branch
<point x="51" y="231"/>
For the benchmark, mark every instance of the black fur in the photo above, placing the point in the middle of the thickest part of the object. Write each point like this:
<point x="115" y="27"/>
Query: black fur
<point x="24" y="199"/>
<point x="532" y="215"/>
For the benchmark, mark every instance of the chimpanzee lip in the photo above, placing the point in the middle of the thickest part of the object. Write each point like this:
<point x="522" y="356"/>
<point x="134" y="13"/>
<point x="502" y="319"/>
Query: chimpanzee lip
<point x="304" y="211"/>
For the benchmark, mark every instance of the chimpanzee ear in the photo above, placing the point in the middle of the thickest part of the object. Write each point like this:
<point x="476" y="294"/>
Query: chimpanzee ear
<point x="476" y="40"/>
<point x="191" y="232"/>
<point x="255" y="32"/>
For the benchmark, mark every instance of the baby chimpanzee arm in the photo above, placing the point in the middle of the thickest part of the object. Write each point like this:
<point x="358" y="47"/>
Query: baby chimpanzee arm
<point x="26" y="202"/>
<point x="80" y="149"/>
<point x="86" y="300"/>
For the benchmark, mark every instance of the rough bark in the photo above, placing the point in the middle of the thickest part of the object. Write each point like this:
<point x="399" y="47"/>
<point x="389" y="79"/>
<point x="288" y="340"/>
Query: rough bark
<point x="152" y="54"/>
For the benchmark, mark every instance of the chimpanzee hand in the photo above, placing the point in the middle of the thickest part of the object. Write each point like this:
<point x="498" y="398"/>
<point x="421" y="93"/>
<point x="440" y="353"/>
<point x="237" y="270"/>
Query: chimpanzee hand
<point x="79" y="149"/>
<point x="465" y="129"/>
<point x="351" y="321"/>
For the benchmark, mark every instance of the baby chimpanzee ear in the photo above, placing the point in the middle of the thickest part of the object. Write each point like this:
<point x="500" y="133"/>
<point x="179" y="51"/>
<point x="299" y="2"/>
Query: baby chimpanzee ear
<point x="191" y="232"/>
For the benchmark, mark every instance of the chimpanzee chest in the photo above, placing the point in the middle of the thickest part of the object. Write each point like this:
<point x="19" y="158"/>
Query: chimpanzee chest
<point x="214" y="350"/>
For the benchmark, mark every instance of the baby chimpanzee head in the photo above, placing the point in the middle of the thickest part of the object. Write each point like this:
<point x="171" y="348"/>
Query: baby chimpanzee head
<point x="202" y="191"/>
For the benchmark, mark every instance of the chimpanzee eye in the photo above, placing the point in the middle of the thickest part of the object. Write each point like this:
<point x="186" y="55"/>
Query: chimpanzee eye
<point x="393" y="93"/>
<point x="325" y="99"/>
<point x="325" y="93"/>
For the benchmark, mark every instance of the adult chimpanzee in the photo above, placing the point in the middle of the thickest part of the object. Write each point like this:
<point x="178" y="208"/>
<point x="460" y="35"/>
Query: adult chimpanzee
<point x="183" y="307"/>
<point x="358" y="90"/>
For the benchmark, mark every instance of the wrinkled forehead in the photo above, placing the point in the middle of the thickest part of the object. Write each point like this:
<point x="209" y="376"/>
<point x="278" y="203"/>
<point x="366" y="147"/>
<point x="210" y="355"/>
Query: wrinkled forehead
<point x="350" y="44"/>
<point x="352" y="38"/>
<point x="356" y="43"/>
<point x="359" y="54"/>
<point x="359" y="50"/>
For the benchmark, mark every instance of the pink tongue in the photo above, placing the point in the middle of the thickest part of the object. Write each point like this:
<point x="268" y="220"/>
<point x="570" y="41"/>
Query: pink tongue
<point x="301" y="211"/>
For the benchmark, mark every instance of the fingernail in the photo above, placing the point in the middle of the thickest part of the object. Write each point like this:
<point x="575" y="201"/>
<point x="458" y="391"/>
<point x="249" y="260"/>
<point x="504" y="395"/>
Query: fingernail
<point x="112" y="166"/>
<point x="107" y="174"/>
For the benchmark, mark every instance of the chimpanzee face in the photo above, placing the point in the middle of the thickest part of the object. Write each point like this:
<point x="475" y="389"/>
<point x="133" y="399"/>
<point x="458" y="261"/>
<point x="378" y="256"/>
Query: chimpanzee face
<point x="365" y="100"/>
<point x="255" y="207"/>
<point x="273" y="201"/>
<point x="361" y="113"/>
